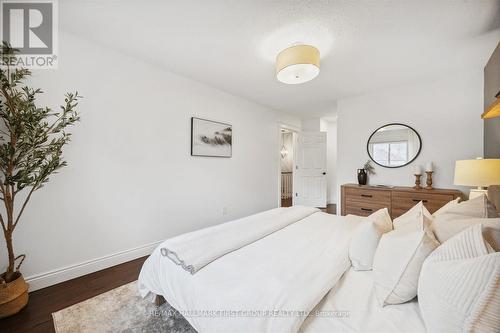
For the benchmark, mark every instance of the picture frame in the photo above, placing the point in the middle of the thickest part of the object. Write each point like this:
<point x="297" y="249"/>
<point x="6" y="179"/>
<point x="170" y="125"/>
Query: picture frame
<point x="211" y="138"/>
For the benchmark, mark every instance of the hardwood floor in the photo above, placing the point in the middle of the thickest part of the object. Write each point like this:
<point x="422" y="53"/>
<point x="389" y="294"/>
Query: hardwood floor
<point x="37" y="316"/>
<point x="286" y="202"/>
<point x="330" y="208"/>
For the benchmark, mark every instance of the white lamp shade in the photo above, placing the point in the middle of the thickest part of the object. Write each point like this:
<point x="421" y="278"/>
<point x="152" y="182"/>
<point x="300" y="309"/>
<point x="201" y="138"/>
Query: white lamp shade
<point x="297" y="64"/>
<point x="480" y="172"/>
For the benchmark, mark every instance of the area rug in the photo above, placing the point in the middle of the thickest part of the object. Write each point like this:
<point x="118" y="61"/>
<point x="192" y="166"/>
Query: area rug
<point x="120" y="310"/>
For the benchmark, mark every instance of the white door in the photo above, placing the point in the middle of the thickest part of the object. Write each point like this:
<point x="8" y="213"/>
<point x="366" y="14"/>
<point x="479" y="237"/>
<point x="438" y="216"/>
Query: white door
<point x="309" y="181"/>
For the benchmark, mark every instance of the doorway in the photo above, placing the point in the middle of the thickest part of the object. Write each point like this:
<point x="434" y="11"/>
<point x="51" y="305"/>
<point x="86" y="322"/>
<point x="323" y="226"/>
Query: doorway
<point x="287" y="144"/>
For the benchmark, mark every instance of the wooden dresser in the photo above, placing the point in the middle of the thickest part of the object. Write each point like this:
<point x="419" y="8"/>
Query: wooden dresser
<point x="363" y="200"/>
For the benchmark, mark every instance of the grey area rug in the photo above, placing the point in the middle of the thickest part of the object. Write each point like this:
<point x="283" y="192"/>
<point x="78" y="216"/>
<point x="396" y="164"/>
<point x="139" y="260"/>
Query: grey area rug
<point x="120" y="310"/>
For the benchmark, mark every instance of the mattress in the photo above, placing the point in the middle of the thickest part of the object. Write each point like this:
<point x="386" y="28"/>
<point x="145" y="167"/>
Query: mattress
<point x="351" y="306"/>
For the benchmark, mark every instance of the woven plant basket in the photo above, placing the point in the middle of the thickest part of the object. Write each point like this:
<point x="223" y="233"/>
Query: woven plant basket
<point x="13" y="296"/>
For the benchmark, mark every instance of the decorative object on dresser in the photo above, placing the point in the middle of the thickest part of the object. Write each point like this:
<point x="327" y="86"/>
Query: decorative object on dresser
<point x="429" y="171"/>
<point x="394" y="145"/>
<point x="429" y="180"/>
<point x="364" y="200"/>
<point x="479" y="172"/>
<point x="417" y="182"/>
<point x="418" y="175"/>
<point x="362" y="177"/>
<point x="368" y="169"/>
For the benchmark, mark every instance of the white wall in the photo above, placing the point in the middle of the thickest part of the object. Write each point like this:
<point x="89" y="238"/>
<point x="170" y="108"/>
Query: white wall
<point x="331" y="146"/>
<point x="131" y="180"/>
<point x="445" y="113"/>
<point x="311" y="125"/>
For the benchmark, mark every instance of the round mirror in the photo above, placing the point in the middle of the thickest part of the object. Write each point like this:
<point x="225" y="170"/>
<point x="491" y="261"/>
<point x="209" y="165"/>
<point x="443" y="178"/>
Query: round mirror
<point x="394" y="145"/>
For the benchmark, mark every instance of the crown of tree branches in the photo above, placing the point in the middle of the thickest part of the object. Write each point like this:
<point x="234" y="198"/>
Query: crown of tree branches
<point x="31" y="145"/>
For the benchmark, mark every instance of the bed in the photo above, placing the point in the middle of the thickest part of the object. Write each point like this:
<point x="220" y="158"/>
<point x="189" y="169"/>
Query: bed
<point x="271" y="284"/>
<point x="283" y="271"/>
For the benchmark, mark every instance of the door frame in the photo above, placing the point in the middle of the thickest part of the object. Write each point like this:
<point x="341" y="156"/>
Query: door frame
<point x="295" y="130"/>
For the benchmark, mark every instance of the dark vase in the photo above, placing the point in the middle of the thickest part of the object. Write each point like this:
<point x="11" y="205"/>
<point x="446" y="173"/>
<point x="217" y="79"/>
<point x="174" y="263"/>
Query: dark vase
<point x="362" y="176"/>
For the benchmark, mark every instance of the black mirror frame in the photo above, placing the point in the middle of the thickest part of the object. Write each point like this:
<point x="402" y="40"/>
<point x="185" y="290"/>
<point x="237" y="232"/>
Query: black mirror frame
<point x="398" y="166"/>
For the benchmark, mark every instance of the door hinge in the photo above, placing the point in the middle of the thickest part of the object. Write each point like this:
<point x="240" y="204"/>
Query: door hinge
<point x="296" y="194"/>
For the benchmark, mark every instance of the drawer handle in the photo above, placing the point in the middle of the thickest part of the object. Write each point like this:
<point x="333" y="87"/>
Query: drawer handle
<point x="367" y="195"/>
<point x="417" y="200"/>
<point x="367" y="209"/>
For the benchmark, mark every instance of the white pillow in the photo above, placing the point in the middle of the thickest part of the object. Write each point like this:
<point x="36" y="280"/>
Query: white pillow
<point x="365" y="240"/>
<point x="398" y="260"/>
<point x="418" y="216"/>
<point x="448" y="225"/>
<point x="459" y="285"/>
<point x="477" y="207"/>
<point x="446" y="207"/>
<point x="355" y="218"/>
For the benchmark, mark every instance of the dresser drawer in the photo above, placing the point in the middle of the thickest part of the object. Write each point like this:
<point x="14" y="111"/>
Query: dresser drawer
<point x="363" y="195"/>
<point x="364" y="200"/>
<point x="365" y="208"/>
<point x="403" y="201"/>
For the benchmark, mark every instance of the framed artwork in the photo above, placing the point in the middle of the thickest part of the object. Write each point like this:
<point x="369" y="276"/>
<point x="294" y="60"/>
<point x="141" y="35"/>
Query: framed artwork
<point x="211" y="138"/>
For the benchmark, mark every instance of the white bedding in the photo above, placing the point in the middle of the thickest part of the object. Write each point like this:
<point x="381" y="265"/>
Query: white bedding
<point x="195" y="250"/>
<point x="355" y="294"/>
<point x="289" y="270"/>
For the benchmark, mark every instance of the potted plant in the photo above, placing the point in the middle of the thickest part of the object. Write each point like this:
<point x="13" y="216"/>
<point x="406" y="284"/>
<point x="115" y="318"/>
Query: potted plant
<point x="31" y="143"/>
<point x="363" y="173"/>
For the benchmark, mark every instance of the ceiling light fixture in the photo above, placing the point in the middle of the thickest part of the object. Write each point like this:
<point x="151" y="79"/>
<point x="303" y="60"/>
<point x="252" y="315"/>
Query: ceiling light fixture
<point x="297" y="64"/>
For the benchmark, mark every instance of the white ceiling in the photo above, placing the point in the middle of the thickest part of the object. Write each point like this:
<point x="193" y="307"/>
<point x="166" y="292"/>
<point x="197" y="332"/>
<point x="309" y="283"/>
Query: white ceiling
<point x="364" y="45"/>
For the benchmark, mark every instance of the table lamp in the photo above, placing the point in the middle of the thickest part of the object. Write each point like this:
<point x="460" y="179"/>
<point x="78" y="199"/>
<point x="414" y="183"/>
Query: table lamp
<point x="479" y="172"/>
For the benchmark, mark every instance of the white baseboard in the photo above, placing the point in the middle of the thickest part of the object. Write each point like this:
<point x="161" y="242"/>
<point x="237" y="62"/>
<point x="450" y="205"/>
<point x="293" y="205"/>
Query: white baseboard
<point x="59" y="275"/>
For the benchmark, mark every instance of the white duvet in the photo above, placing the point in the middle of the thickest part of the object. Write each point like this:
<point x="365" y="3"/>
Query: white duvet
<point x="265" y="286"/>
<point x="195" y="250"/>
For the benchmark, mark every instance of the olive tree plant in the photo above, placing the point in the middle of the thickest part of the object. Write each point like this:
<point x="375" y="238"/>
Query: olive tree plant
<point x="31" y="146"/>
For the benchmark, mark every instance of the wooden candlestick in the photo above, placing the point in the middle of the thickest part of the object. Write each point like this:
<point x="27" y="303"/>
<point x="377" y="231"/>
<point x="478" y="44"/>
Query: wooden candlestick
<point x="429" y="180"/>
<point x="417" y="182"/>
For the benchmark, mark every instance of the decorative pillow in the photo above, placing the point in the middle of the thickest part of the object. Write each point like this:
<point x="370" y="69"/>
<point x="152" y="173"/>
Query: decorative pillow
<point x="446" y="207"/>
<point x="365" y="240"/>
<point x="398" y="260"/>
<point x="418" y="216"/>
<point x="355" y="218"/>
<point x="448" y="225"/>
<point x="459" y="287"/>
<point x="477" y="207"/>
